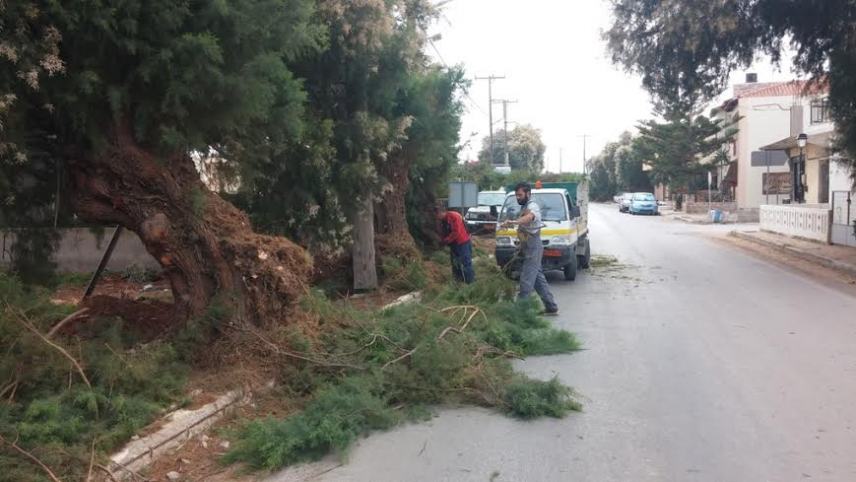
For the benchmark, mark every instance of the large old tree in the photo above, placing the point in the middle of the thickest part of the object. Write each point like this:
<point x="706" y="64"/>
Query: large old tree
<point x="121" y="93"/>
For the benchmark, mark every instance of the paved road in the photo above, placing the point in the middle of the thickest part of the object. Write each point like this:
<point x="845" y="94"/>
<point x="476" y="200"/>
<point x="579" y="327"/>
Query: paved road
<point x="703" y="363"/>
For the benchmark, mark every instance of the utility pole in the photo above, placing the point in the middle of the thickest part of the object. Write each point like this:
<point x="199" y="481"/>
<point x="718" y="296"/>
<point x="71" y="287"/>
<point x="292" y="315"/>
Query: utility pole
<point x="505" y="103"/>
<point x="585" y="138"/>
<point x="490" y="79"/>
<point x="561" y="165"/>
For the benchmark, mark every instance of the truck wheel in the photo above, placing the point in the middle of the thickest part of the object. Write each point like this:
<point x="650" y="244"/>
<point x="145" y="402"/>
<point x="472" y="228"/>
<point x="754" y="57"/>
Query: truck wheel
<point x="584" y="261"/>
<point x="570" y="269"/>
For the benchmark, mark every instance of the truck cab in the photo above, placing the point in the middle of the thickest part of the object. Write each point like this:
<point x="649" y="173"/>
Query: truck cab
<point x="565" y="231"/>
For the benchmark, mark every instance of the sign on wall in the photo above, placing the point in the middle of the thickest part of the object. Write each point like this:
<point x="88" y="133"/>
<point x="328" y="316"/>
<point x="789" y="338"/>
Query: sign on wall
<point x="777" y="183"/>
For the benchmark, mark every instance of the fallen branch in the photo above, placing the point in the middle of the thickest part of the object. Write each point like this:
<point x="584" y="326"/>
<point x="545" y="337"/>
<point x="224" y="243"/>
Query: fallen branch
<point x="280" y="351"/>
<point x="32" y="458"/>
<point x="22" y="318"/>
<point x="91" y="462"/>
<point x="447" y="330"/>
<point x="106" y="471"/>
<point x="66" y="320"/>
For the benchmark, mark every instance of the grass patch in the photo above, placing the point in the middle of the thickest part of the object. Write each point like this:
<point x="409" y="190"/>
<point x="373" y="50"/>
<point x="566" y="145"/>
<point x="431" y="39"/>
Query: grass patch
<point x="386" y="367"/>
<point x="48" y="407"/>
<point x="599" y="261"/>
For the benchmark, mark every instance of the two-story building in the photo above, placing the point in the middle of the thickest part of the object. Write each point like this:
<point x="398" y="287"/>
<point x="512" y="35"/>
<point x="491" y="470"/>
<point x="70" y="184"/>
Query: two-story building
<point x="764" y="154"/>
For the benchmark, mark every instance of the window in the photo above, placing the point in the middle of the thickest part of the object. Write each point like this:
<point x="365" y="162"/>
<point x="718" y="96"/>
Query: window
<point x="643" y="196"/>
<point x="820" y="111"/>
<point x="491" y="198"/>
<point x="552" y="207"/>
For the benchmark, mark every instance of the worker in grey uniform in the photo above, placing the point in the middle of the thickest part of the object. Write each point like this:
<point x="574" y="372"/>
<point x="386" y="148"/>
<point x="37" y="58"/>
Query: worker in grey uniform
<point x="531" y="249"/>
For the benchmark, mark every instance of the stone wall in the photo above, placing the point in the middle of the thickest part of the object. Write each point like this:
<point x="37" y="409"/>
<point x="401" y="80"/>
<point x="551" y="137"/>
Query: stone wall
<point x="80" y="250"/>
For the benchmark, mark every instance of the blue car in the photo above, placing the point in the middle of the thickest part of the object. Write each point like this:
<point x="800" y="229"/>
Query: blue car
<point x="643" y="203"/>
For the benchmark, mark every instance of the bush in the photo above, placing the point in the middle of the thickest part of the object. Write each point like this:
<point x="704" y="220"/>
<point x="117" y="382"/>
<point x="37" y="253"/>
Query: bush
<point x="47" y="406"/>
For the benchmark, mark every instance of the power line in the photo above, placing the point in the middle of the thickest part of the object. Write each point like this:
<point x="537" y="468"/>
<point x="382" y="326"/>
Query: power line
<point x="490" y="79"/>
<point x="446" y="65"/>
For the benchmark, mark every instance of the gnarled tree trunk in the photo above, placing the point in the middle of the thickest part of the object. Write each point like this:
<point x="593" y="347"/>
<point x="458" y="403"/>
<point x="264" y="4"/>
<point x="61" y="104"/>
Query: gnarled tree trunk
<point x="393" y="232"/>
<point x="205" y="245"/>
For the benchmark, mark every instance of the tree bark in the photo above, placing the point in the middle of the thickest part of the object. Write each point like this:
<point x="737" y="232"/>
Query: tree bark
<point x="365" y="270"/>
<point x="205" y="245"/>
<point x="393" y="232"/>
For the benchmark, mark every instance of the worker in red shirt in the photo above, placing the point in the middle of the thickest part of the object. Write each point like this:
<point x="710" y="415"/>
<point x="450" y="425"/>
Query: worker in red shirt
<point x="455" y="235"/>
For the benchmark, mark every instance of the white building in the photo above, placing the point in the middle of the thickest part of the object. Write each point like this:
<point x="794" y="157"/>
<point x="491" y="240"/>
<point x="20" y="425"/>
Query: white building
<point x="764" y="152"/>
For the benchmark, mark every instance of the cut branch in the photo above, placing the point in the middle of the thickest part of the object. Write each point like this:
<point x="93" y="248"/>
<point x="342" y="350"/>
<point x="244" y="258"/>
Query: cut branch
<point x="32" y="458"/>
<point x="66" y="320"/>
<point x="22" y="319"/>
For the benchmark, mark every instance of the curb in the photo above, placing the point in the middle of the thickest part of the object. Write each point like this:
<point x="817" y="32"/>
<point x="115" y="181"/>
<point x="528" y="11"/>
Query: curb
<point x="179" y="426"/>
<point x="844" y="268"/>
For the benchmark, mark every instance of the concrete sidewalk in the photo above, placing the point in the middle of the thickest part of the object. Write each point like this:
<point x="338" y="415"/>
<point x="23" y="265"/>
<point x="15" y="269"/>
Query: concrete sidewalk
<point x="839" y="258"/>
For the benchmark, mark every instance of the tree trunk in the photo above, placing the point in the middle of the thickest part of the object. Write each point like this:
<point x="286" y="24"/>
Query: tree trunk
<point x="393" y="232"/>
<point x="205" y="245"/>
<point x="365" y="271"/>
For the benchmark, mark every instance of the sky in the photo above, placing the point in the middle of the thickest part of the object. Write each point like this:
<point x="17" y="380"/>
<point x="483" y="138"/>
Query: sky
<point x="556" y="68"/>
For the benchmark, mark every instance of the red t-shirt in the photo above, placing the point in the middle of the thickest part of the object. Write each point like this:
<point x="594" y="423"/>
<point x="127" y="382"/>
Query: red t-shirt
<point x="458" y="230"/>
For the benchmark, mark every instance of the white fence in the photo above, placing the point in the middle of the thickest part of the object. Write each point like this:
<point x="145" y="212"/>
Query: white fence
<point x="803" y="221"/>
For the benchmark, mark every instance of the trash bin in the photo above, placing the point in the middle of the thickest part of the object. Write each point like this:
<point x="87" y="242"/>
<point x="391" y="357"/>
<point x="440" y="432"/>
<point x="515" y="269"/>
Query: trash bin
<point x="716" y="215"/>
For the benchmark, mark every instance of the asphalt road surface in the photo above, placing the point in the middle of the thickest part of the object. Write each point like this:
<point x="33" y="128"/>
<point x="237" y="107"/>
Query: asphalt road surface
<point x="702" y="363"/>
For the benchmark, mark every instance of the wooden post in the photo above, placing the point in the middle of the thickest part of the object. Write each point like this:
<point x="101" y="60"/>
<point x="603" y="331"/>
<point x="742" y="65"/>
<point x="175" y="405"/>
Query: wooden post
<point x="103" y="263"/>
<point x="365" y="271"/>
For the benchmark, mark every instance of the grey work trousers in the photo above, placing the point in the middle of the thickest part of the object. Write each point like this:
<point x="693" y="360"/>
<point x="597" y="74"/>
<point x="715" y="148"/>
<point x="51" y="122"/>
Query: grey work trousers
<point x="532" y="274"/>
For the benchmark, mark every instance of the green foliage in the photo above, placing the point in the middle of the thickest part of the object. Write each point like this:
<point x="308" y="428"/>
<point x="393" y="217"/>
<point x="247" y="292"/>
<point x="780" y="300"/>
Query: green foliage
<point x="337" y="416"/>
<point x="404" y="274"/>
<point x="618" y="168"/>
<point x="676" y="148"/>
<point x="137" y="274"/>
<point x="52" y="413"/>
<point x="525" y="149"/>
<point x="440" y="351"/>
<point x="527" y="398"/>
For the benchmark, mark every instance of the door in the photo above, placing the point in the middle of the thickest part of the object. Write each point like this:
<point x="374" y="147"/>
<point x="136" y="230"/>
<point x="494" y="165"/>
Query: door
<point x="843" y="219"/>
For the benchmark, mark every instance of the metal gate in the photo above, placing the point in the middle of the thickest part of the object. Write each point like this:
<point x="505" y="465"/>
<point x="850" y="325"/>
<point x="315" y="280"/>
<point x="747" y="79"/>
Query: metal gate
<point x="843" y="219"/>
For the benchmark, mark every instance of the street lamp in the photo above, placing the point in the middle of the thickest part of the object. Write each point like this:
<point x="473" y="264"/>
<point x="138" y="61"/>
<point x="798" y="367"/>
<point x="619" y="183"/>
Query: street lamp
<point x="802" y="140"/>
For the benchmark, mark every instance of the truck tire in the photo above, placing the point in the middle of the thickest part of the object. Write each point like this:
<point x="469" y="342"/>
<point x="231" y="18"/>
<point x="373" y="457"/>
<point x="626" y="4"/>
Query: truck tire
<point x="570" y="269"/>
<point x="584" y="260"/>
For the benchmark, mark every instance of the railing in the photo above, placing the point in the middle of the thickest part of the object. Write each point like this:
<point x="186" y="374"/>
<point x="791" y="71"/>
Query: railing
<point x="802" y="221"/>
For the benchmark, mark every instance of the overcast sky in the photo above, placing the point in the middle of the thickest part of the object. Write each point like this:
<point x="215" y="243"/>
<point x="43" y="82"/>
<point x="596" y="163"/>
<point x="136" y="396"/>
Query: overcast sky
<point x="556" y="67"/>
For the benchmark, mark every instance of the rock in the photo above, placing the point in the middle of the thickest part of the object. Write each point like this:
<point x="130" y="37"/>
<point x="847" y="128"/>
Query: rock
<point x="148" y="287"/>
<point x="204" y="441"/>
<point x="185" y="461"/>
<point x="135" y="437"/>
<point x="173" y="475"/>
<point x="196" y="393"/>
<point x="225" y="445"/>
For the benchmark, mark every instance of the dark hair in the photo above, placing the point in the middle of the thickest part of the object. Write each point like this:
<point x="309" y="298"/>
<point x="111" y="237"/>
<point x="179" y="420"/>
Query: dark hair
<point x="523" y="185"/>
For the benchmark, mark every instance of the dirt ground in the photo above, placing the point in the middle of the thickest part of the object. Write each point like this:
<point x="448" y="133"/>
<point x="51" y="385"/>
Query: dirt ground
<point x="826" y="276"/>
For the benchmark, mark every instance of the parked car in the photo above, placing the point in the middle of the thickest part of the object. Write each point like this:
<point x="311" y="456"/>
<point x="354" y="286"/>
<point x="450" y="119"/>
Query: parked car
<point x="484" y="215"/>
<point x="624" y="202"/>
<point x="617" y="198"/>
<point x="644" y="203"/>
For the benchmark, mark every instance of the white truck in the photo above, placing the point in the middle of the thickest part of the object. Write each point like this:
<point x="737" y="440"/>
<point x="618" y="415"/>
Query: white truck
<point x="564" y="212"/>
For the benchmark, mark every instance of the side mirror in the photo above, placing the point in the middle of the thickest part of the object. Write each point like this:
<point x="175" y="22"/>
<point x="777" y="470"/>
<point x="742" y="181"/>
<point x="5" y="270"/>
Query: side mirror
<point x="575" y="212"/>
<point x="493" y="211"/>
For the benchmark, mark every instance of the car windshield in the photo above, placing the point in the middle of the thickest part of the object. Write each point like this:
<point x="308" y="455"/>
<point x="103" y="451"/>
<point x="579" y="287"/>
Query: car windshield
<point x="627" y="196"/>
<point x="643" y="196"/>
<point x="552" y="207"/>
<point x="491" y="198"/>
